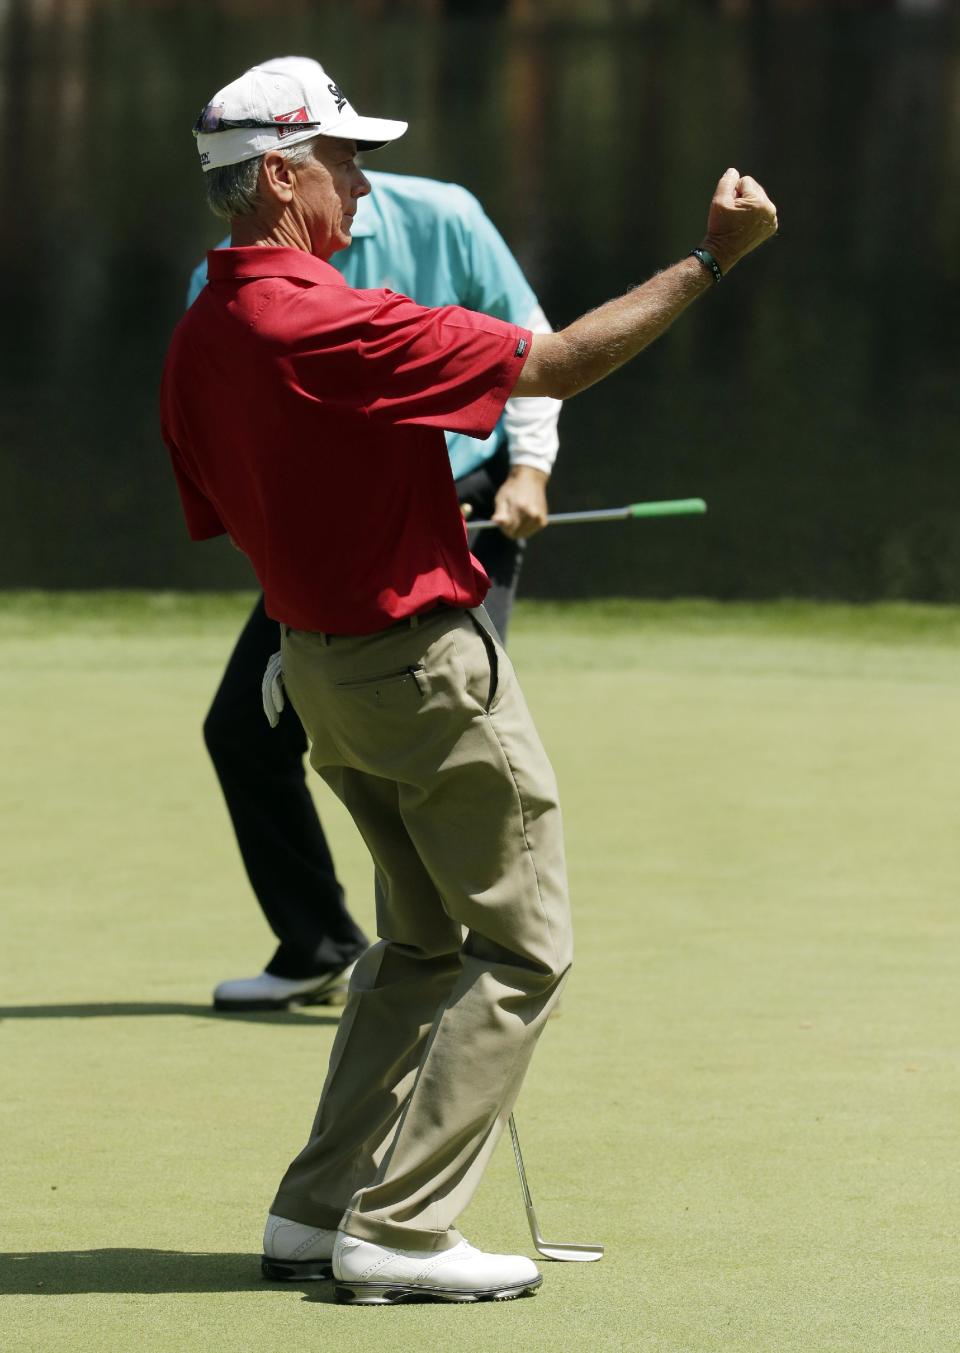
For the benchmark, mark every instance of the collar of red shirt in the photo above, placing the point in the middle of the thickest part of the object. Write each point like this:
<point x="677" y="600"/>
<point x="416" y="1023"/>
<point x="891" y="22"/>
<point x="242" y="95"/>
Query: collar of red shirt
<point x="223" y="265"/>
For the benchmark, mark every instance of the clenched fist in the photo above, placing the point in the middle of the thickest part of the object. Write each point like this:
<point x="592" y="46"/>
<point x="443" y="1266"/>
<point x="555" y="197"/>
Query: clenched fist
<point x="741" y="217"/>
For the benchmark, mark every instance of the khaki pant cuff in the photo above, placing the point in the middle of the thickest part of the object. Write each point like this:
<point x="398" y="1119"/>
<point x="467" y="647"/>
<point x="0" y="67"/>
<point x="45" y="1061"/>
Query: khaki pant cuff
<point x="367" y="1227"/>
<point x="307" y="1213"/>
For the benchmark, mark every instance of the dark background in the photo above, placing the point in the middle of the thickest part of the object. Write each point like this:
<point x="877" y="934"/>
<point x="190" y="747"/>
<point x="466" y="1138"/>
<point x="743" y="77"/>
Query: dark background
<point x="812" y="398"/>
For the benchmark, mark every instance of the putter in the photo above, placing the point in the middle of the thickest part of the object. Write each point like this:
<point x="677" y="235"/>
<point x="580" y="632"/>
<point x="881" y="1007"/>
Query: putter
<point x="550" y="1249"/>
<point x="671" y="507"/>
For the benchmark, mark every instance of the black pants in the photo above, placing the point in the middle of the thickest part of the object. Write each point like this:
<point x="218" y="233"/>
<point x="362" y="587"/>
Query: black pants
<point x="261" y="773"/>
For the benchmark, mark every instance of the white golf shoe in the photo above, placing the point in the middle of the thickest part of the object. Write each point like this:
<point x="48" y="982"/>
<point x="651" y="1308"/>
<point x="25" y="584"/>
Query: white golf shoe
<point x="266" y="992"/>
<point x="293" y="1252"/>
<point x="376" y="1275"/>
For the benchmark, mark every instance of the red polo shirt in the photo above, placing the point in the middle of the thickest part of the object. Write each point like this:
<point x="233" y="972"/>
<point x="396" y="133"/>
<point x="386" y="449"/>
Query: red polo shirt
<point x="305" y="418"/>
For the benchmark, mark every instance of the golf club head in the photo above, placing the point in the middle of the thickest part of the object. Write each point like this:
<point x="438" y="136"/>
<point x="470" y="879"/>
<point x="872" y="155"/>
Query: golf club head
<point x="563" y="1251"/>
<point x="579" y="1254"/>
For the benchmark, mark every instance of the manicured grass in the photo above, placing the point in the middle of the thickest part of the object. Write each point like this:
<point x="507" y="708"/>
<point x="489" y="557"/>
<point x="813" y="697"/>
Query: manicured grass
<point x="751" y="1096"/>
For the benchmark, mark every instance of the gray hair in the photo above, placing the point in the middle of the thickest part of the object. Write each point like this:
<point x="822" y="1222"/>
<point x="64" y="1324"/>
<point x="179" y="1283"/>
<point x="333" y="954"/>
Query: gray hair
<point x="232" y="189"/>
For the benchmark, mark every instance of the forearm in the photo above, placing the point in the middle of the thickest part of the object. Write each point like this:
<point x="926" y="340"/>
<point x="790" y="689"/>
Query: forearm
<point x="562" y="364"/>
<point x="740" y="218"/>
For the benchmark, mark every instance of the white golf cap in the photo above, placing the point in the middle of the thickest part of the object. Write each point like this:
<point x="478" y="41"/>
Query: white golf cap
<point x="278" y="103"/>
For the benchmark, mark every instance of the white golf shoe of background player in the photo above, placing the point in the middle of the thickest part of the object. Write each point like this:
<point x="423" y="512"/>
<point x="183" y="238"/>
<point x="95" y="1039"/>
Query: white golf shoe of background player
<point x="293" y="1252"/>
<point x="266" y="992"/>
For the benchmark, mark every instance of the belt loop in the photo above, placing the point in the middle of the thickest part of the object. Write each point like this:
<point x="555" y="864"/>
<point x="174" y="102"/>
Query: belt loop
<point x="326" y="638"/>
<point x="415" y="620"/>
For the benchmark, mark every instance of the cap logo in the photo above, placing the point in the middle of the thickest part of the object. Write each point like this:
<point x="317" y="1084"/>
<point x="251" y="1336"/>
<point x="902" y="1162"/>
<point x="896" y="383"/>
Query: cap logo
<point x="298" y="115"/>
<point x="339" y="97"/>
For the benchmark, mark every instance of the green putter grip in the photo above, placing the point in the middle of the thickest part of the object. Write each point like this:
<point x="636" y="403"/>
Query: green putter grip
<point x="674" y="507"/>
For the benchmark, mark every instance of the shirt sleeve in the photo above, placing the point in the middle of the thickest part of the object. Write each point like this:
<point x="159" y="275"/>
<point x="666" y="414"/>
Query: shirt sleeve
<point x="404" y="363"/>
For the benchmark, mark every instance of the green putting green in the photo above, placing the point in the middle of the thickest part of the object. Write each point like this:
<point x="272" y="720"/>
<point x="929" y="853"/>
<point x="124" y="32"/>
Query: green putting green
<point x="751" y="1096"/>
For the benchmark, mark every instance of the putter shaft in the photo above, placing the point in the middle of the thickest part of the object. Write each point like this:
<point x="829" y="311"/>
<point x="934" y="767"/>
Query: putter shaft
<point x="550" y="1249"/>
<point x="670" y="507"/>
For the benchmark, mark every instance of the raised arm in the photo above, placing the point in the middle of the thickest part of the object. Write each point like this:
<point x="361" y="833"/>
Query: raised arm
<point x="560" y="365"/>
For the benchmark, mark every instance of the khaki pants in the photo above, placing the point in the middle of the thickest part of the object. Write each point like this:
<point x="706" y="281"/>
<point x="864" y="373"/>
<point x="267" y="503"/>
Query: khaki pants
<point x="424" y="735"/>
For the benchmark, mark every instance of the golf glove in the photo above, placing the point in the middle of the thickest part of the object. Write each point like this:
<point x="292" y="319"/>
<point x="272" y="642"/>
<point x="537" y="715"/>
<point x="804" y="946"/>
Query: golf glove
<point x="271" y="688"/>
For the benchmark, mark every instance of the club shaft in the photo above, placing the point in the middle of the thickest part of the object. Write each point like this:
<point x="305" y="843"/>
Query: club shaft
<point x="528" y="1201"/>
<point x="671" y="507"/>
<point x="549" y="1249"/>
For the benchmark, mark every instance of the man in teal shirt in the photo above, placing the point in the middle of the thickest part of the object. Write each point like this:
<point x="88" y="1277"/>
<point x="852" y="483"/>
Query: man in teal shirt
<point x="431" y="241"/>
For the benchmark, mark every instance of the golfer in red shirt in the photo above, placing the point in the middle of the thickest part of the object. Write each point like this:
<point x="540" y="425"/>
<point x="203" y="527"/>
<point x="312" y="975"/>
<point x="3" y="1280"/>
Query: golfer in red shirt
<point x="305" y="419"/>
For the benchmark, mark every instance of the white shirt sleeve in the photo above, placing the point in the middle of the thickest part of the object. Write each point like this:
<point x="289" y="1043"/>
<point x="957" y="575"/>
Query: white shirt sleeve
<point x="530" y="423"/>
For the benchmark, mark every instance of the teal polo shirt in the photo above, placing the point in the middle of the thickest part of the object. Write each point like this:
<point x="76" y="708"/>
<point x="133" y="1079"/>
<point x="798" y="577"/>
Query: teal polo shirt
<point x="433" y="242"/>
